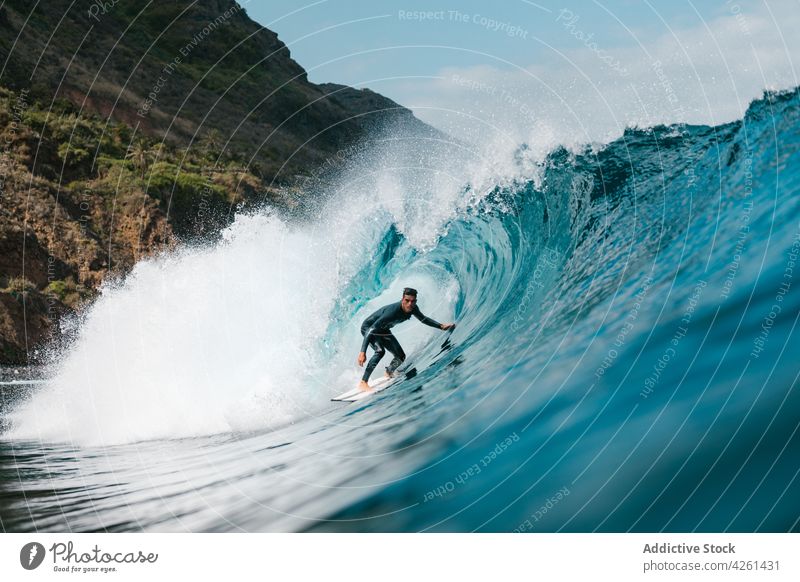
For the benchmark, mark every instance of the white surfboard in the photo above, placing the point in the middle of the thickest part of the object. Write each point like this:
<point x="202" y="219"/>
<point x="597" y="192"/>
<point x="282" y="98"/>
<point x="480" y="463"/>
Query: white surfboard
<point x="359" y="394"/>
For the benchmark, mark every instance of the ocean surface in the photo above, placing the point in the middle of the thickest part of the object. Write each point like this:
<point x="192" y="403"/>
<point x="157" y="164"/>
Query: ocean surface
<point x="626" y="356"/>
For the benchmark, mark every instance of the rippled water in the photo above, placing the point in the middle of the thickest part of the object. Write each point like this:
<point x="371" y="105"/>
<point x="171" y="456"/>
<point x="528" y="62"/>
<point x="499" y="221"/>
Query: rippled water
<point x="625" y="358"/>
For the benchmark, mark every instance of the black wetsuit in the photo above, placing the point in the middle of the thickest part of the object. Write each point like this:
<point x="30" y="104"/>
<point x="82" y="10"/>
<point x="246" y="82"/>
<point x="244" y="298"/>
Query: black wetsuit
<point x="375" y="330"/>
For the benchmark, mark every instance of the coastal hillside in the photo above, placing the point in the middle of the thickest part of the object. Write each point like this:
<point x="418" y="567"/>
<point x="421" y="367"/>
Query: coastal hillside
<point x="129" y="128"/>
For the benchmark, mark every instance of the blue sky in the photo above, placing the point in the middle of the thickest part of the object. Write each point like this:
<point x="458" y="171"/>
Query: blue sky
<point x="591" y="67"/>
<point x="383" y="32"/>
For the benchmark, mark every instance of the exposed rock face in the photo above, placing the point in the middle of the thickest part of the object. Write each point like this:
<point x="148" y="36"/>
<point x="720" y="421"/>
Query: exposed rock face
<point x="180" y="70"/>
<point x="56" y="248"/>
<point x="124" y="131"/>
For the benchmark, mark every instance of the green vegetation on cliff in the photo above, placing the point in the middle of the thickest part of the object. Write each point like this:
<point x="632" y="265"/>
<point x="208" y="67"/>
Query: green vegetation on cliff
<point x="126" y="128"/>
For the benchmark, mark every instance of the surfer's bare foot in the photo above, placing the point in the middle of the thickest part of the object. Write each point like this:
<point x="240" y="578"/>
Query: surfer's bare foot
<point x="363" y="385"/>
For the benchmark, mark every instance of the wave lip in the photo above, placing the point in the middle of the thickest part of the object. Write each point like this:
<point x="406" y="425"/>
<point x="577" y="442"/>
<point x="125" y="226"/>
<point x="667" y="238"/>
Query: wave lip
<point x="616" y="322"/>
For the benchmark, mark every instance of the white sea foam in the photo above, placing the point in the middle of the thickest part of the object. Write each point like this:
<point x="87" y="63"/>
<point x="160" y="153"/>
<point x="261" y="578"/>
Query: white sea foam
<point x="228" y="337"/>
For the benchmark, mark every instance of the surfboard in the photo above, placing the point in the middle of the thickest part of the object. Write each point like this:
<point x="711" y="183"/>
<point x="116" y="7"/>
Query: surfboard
<point x="358" y="394"/>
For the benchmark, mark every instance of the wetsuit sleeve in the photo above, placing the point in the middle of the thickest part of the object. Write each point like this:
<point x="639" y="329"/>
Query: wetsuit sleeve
<point x="425" y="319"/>
<point x="366" y="340"/>
<point x="374" y="321"/>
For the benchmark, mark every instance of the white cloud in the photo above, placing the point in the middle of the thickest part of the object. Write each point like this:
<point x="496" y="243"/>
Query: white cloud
<point x="705" y="74"/>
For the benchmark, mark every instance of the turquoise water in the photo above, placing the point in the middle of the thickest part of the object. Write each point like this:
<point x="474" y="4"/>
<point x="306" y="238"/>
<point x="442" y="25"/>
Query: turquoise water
<point x="625" y="360"/>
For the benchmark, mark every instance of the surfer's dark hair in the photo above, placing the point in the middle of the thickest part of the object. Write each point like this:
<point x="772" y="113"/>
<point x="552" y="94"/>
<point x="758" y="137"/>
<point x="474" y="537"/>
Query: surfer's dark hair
<point x="410" y="291"/>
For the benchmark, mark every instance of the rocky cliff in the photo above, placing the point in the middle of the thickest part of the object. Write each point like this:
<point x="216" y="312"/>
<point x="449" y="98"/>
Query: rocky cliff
<point x="126" y="128"/>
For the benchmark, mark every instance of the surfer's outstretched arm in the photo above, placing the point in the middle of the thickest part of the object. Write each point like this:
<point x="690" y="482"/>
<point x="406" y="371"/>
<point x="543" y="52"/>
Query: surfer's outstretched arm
<point x="431" y="322"/>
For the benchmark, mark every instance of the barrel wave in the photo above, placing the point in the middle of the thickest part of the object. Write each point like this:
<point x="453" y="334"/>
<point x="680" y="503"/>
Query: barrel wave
<point x="624" y="359"/>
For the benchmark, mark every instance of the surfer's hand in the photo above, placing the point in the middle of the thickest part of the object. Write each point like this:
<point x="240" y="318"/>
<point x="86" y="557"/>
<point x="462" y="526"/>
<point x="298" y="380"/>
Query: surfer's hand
<point x="446" y="326"/>
<point x="362" y="357"/>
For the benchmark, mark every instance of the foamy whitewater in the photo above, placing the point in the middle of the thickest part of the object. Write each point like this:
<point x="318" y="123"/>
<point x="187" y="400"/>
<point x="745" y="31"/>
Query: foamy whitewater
<point x="623" y="358"/>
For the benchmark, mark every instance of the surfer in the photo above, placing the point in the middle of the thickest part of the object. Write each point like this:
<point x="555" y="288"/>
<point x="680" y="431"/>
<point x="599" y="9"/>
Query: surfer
<point x="376" y="332"/>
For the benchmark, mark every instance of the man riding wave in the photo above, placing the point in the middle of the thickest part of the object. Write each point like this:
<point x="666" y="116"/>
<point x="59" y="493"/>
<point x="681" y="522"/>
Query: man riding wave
<point x="376" y="331"/>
